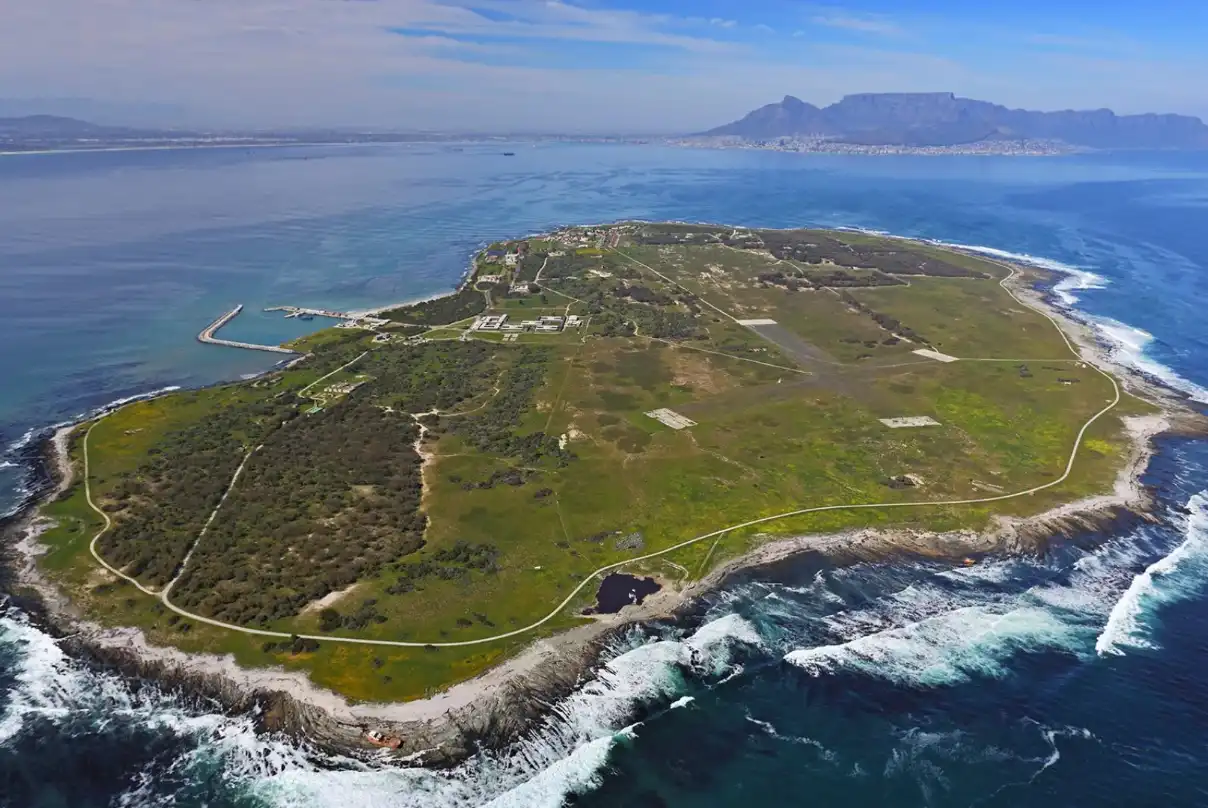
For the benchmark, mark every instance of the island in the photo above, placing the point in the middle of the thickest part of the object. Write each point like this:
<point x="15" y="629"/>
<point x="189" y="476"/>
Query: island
<point x="437" y="515"/>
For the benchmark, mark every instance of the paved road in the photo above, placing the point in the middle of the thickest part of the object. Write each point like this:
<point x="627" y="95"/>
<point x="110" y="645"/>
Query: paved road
<point x="1069" y="467"/>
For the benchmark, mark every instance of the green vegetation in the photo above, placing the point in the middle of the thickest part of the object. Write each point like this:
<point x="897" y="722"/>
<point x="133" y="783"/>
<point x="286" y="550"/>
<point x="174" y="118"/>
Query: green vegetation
<point x="466" y="484"/>
<point x="465" y="302"/>
<point x="328" y="500"/>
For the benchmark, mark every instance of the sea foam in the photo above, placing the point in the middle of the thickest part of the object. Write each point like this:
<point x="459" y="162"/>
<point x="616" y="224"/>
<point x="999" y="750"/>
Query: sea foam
<point x="1075" y="278"/>
<point x="1128" y="343"/>
<point x="945" y="650"/>
<point x="1174" y="577"/>
<point x="951" y="626"/>
<point x="564" y="755"/>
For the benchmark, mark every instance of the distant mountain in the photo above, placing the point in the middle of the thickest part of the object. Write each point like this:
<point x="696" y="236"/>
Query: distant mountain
<point x="942" y="119"/>
<point x="54" y="126"/>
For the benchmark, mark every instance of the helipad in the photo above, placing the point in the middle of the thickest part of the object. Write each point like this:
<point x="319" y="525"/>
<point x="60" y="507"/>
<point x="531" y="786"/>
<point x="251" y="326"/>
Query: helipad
<point x="671" y="418"/>
<point x="914" y="420"/>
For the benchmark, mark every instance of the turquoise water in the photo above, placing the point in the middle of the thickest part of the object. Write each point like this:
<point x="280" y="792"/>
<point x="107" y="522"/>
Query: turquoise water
<point x="1074" y="678"/>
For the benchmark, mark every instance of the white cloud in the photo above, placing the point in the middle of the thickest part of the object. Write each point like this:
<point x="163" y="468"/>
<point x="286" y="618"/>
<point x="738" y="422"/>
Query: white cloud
<point x="323" y="62"/>
<point x="863" y="25"/>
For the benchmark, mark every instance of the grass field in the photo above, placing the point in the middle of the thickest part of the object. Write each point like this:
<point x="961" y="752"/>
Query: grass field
<point x="780" y="426"/>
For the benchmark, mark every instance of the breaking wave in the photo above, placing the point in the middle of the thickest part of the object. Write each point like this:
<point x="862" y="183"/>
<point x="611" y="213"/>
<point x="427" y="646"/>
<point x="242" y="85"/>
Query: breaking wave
<point x="49" y="686"/>
<point x="23" y="441"/>
<point x="21" y="491"/>
<point x="952" y="626"/>
<point x="1127" y="343"/>
<point x="1164" y="581"/>
<point x="1074" y="279"/>
<point x="944" y="650"/>
<point x="566" y="754"/>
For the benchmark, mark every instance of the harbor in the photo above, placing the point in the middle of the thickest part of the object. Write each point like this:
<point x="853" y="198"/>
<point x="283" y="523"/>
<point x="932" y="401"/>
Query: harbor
<point x="208" y="335"/>
<point x="302" y="313"/>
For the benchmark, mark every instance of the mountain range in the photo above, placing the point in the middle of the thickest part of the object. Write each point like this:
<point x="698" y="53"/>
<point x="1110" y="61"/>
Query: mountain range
<point x="943" y="119"/>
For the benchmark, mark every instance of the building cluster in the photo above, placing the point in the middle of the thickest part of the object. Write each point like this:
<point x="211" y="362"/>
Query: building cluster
<point x="341" y="388"/>
<point x="826" y="145"/>
<point x="584" y="237"/>
<point x="548" y="324"/>
<point x="371" y="323"/>
<point x="508" y="256"/>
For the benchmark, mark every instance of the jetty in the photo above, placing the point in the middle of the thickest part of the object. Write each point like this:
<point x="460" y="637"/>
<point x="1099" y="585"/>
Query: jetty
<point x="299" y="311"/>
<point x="207" y="335"/>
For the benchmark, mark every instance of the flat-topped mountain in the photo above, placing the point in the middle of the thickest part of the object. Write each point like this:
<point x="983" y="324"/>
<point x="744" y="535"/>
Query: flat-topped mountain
<point x="943" y="119"/>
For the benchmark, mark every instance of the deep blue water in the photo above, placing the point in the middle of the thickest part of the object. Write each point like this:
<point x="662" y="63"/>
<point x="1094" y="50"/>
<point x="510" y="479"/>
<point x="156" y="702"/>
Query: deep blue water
<point x="1074" y="678"/>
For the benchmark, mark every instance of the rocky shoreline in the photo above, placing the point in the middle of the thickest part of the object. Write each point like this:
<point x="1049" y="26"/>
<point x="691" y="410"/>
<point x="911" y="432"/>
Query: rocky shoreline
<point x="499" y="706"/>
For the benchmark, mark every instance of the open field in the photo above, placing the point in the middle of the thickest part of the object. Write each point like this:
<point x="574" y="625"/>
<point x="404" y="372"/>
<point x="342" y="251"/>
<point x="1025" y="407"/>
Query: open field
<point x="464" y="488"/>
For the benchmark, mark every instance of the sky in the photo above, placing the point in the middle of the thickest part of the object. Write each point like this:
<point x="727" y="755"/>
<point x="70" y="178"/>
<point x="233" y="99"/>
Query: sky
<point x="580" y="66"/>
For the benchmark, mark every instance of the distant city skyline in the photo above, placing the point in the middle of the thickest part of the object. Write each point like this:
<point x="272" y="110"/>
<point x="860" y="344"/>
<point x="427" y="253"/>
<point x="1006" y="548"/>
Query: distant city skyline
<point x="607" y="66"/>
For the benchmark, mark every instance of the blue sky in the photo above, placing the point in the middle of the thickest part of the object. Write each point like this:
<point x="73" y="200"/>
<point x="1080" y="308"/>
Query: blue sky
<point x="590" y="65"/>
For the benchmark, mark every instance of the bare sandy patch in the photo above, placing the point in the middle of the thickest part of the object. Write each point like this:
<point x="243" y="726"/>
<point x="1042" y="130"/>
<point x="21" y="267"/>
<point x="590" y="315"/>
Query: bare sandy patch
<point x="328" y="600"/>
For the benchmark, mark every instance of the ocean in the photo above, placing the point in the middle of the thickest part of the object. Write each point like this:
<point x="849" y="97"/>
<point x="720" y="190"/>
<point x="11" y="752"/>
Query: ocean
<point x="1072" y="677"/>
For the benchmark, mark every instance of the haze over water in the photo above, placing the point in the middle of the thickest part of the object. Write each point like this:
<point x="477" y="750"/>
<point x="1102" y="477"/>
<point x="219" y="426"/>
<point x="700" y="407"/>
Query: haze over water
<point x="1074" y="678"/>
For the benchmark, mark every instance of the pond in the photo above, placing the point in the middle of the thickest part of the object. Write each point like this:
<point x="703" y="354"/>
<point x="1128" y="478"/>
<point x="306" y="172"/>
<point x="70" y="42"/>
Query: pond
<point x="619" y="590"/>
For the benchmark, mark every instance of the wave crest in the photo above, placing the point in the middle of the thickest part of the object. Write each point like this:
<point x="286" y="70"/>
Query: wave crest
<point x="1164" y="581"/>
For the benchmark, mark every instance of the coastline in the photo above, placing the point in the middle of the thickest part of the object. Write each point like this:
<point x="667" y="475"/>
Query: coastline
<point x="466" y="278"/>
<point x="504" y="700"/>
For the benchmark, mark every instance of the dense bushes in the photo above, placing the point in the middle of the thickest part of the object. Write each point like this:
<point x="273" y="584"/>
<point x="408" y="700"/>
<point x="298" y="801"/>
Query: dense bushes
<point x="492" y="430"/>
<point x="162" y="506"/>
<point x="466" y="302"/>
<point x="451" y="564"/>
<point x="435" y="375"/>
<point x="329" y="500"/>
<point x="890" y="324"/>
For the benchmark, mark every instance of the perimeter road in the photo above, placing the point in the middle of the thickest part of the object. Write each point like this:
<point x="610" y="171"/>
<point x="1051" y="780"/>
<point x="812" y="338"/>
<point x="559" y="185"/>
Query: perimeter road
<point x="1069" y="467"/>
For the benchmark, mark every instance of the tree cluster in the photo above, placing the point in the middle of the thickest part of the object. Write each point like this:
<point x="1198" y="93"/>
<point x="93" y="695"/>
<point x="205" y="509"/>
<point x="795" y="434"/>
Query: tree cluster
<point x="331" y="619"/>
<point x="162" y="506"/>
<point x="433" y="375"/>
<point x="888" y="258"/>
<point x="466" y="302"/>
<point x="327" y="501"/>
<point x="890" y="324"/>
<point x="492" y="430"/>
<point x="454" y="563"/>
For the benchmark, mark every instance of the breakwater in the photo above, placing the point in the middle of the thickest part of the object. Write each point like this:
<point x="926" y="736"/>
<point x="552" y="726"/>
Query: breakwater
<point x="208" y="335"/>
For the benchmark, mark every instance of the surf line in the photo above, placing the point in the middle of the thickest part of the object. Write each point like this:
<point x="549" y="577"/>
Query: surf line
<point x="1069" y="467"/>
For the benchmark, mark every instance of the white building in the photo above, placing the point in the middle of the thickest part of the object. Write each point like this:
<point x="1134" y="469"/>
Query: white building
<point x="490" y="322"/>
